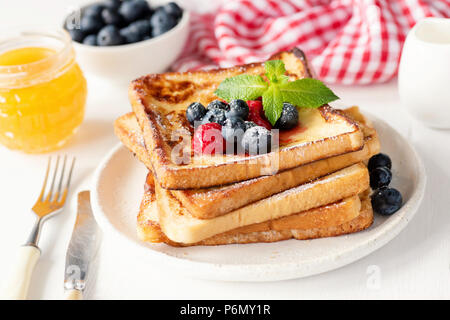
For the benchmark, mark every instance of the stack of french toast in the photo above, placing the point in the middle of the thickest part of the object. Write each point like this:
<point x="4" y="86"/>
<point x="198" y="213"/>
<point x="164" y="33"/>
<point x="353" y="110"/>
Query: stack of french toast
<point x="315" y="184"/>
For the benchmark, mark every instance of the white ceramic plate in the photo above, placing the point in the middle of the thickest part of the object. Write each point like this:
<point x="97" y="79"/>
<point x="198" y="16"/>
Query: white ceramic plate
<point x="119" y="185"/>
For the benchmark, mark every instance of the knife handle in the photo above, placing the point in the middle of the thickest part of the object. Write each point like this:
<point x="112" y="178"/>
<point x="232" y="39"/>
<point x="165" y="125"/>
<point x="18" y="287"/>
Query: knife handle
<point x="19" y="280"/>
<point x="74" y="294"/>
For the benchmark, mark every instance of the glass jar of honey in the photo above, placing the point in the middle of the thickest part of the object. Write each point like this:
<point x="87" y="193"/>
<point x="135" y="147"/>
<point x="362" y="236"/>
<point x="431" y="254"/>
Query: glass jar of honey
<point x="42" y="90"/>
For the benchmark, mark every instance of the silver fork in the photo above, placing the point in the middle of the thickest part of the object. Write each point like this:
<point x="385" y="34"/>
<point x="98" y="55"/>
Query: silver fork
<point x="49" y="204"/>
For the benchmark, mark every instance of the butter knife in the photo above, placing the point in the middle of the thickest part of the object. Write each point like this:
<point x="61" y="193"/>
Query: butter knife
<point x="82" y="249"/>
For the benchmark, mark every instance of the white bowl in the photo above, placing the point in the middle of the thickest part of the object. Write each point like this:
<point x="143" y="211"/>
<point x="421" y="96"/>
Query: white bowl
<point x="130" y="61"/>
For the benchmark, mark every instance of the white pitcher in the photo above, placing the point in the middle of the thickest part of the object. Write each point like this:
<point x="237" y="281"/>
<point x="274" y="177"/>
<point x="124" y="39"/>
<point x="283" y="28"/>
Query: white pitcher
<point x="424" y="72"/>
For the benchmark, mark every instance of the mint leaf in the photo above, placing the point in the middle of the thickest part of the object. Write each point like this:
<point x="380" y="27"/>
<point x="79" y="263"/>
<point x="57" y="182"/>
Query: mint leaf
<point x="283" y="79"/>
<point x="272" y="101"/>
<point x="309" y="93"/>
<point x="274" y="70"/>
<point x="244" y="86"/>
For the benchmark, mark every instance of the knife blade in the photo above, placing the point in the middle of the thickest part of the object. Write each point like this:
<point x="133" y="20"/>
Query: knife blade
<point x="82" y="248"/>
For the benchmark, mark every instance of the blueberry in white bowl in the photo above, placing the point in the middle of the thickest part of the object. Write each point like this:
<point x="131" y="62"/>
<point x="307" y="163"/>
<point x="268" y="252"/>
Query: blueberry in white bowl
<point x="133" y="10"/>
<point x="132" y="52"/>
<point x="90" y="24"/>
<point x="142" y="27"/>
<point x="161" y="22"/>
<point x="109" y="36"/>
<point x="90" y="40"/>
<point x="77" y="35"/>
<point x="112" y="4"/>
<point x="111" y="16"/>
<point x="126" y="15"/>
<point x="130" y="35"/>
<point x="173" y="10"/>
<point x="94" y="10"/>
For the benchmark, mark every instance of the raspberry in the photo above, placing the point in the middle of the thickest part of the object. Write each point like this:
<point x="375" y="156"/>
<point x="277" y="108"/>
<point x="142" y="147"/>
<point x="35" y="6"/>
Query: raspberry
<point x="255" y="106"/>
<point x="208" y="139"/>
<point x="256" y="114"/>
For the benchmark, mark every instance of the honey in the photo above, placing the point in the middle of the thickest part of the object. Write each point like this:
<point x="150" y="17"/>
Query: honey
<point x="42" y="92"/>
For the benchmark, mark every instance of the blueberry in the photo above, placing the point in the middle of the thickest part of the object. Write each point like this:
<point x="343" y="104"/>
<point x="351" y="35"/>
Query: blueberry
<point x="380" y="160"/>
<point x="257" y="140"/>
<point x="112" y="4"/>
<point x="380" y="177"/>
<point x="233" y="129"/>
<point x="71" y="23"/>
<point x="76" y="35"/>
<point x="130" y="35"/>
<point x="90" y="24"/>
<point x="288" y="118"/>
<point x="157" y="32"/>
<point x="93" y="10"/>
<point x="214" y="115"/>
<point x="109" y="36"/>
<point x="161" y="22"/>
<point x="386" y="201"/>
<point x="141" y="26"/>
<point x="249" y="124"/>
<point x="173" y="9"/>
<point x="238" y="108"/>
<point x="132" y="10"/>
<point x="217" y="104"/>
<point x="90" y="40"/>
<point x="195" y="112"/>
<point x="110" y="16"/>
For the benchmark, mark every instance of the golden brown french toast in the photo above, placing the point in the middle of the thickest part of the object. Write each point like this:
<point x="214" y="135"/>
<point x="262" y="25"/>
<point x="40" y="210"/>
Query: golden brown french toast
<point x="345" y="216"/>
<point x="215" y="201"/>
<point x="179" y="226"/>
<point x="159" y="102"/>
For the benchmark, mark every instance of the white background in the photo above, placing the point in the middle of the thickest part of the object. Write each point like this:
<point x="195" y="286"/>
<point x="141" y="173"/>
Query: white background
<point x="416" y="264"/>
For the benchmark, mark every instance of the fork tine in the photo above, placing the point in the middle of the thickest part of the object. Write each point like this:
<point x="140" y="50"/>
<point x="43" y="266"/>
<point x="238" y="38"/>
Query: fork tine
<point x="70" y="173"/>
<point x="61" y="178"/>
<point x="66" y="189"/>
<point x="50" y="192"/>
<point x="41" y="196"/>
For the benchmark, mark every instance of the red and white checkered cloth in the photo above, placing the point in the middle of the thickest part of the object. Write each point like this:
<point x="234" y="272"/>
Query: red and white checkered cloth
<point x="348" y="41"/>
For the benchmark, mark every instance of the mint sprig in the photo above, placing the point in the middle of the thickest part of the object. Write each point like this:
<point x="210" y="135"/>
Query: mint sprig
<point x="244" y="86"/>
<point x="275" y="69"/>
<point x="272" y="101"/>
<point x="307" y="92"/>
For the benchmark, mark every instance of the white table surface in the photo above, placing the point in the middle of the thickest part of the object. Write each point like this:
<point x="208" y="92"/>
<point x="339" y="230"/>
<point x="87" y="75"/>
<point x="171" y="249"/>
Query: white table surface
<point x="416" y="264"/>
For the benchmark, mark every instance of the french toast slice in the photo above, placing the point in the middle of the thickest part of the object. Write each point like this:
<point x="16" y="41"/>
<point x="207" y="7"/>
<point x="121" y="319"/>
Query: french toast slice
<point x="342" y="217"/>
<point x="159" y="102"/>
<point x="179" y="226"/>
<point x="211" y="202"/>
